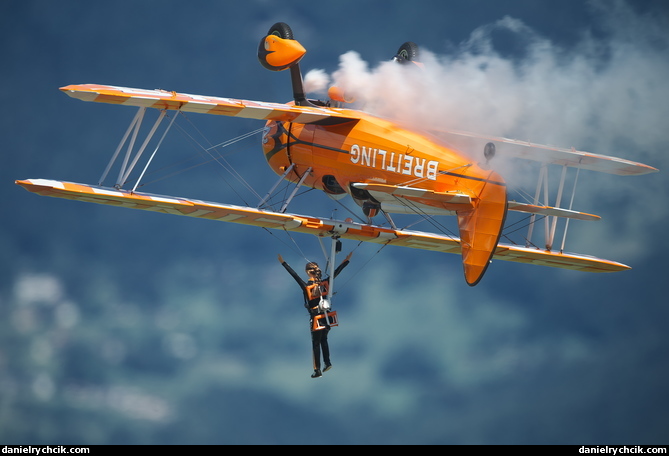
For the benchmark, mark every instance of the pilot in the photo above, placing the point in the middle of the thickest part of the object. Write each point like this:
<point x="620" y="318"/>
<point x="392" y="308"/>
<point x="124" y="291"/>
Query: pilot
<point x="313" y="289"/>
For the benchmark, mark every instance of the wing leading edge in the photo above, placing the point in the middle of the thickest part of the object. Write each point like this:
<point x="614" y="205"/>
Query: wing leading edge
<point x="306" y="224"/>
<point x="163" y="99"/>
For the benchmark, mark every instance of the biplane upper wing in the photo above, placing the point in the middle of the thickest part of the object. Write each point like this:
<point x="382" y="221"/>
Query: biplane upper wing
<point x="163" y="99"/>
<point x="562" y="156"/>
<point x="307" y="224"/>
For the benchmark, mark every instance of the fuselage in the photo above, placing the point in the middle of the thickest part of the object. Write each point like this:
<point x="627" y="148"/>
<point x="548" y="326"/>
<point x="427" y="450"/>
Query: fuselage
<point x="372" y="150"/>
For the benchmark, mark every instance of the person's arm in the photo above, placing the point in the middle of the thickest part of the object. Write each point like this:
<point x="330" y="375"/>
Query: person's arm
<point x="343" y="264"/>
<point x="297" y="278"/>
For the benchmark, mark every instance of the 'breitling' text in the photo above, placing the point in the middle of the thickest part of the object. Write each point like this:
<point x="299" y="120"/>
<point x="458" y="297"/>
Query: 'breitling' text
<point x="394" y="162"/>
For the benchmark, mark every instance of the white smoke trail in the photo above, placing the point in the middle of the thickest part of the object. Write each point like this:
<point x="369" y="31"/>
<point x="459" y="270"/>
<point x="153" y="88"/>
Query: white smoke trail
<point x="551" y="92"/>
<point x="606" y="94"/>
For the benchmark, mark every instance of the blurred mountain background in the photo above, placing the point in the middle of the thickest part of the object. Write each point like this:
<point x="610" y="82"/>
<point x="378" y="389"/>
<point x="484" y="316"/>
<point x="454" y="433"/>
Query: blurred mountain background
<point x="132" y="327"/>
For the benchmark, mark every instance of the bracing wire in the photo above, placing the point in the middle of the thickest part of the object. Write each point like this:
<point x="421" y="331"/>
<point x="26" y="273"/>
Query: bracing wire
<point x="296" y="247"/>
<point x="506" y="234"/>
<point x="214" y="154"/>
<point x="220" y="158"/>
<point x="428" y="218"/>
<point x="362" y="266"/>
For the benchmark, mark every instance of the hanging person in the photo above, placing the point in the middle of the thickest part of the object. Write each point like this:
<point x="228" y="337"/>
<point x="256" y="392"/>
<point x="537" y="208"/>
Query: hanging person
<point x="314" y="289"/>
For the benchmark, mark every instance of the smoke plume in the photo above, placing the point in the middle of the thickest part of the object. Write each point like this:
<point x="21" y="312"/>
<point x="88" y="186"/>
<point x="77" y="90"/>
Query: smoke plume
<point x="607" y="93"/>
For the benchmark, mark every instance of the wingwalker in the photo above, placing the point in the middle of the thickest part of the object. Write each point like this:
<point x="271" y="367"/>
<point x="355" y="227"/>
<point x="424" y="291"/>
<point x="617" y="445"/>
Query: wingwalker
<point x="385" y="167"/>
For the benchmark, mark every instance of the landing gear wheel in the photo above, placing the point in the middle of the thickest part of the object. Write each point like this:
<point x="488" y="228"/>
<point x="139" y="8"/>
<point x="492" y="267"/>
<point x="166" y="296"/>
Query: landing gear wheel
<point x="489" y="151"/>
<point x="282" y="30"/>
<point x="370" y="209"/>
<point x="408" y="52"/>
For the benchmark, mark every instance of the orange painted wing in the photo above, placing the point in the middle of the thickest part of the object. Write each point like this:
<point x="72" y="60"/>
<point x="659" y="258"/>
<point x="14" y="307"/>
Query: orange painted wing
<point x="306" y="224"/>
<point x="163" y="99"/>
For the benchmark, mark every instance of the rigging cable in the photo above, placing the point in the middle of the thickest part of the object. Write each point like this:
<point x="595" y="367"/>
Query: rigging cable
<point x="213" y="151"/>
<point x="218" y="157"/>
<point x="428" y="218"/>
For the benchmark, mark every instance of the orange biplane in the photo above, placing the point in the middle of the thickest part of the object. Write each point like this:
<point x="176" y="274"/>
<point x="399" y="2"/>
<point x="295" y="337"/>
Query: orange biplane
<point x="383" y="166"/>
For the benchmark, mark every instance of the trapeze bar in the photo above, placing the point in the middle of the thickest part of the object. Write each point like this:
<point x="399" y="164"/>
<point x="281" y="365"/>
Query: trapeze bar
<point x="331" y="272"/>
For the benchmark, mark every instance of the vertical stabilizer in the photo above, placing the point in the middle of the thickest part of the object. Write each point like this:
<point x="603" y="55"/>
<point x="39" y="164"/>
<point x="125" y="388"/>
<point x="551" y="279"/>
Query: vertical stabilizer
<point x="481" y="227"/>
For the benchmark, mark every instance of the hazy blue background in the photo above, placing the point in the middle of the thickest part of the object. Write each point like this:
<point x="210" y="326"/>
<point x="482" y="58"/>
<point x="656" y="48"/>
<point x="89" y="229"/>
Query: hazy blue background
<point x="121" y="326"/>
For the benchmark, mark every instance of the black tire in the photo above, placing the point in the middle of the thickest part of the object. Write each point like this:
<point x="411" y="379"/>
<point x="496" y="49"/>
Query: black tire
<point x="408" y="52"/>
<point x="282" y="30"/>
<point x="489" y="151"/>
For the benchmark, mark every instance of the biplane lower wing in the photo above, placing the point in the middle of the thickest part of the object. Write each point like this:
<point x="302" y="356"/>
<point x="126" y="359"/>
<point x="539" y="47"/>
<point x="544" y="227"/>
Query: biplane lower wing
<point x="163" y="99"/>
<point x="307" y="224"/>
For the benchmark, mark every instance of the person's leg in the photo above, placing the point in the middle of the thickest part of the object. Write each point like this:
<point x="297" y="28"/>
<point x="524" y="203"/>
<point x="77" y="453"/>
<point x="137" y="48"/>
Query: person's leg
<point x="326" y="349"/>
<point x="316" y="352"/>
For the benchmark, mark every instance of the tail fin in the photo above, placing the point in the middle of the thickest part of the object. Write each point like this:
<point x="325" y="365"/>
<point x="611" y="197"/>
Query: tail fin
<point x="481" y="227"/>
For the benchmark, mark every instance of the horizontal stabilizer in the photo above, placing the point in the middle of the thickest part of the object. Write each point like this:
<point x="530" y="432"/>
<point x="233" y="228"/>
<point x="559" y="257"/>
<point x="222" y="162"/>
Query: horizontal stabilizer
<point x="307" y="224"/>
<point x="413" y="192"/>
<point x="163" y="99"/>
<point x="551" y="211"/>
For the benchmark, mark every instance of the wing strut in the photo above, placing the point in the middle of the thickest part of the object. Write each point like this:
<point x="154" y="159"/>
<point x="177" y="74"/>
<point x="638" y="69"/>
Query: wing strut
<point x="297" y="186"/>
<point x="558" y="200"/>
<point x="137" y="120"/>
<point x="542" y="192"/>
<point x="271" y="190"/>
<point x="126" y="167"/>
<point x="162" y="114"/>
<point x="571" y="203"/>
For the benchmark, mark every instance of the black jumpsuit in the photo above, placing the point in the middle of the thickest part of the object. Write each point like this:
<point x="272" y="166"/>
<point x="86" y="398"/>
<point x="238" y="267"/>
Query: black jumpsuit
<point x="312" y="296"/>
